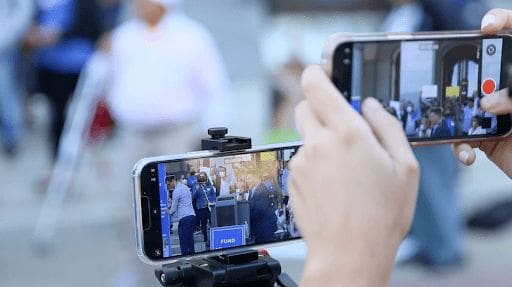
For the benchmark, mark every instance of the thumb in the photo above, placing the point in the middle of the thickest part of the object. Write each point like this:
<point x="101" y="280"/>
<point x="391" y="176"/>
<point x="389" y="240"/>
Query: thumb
<point x="497" y="20"/>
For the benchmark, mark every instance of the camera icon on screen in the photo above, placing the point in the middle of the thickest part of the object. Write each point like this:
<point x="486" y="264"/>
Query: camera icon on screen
<point x="491" y="50"/>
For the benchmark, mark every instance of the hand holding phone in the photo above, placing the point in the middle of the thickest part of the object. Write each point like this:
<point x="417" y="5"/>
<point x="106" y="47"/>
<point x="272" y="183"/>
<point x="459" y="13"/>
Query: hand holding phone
<point x="500" y="103"/>
<point x="353" y="186"/>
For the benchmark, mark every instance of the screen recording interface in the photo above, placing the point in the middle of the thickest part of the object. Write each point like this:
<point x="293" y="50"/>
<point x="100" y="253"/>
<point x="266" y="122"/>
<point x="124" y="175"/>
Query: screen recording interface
<point x="224" y="202"/>
<point x="433" y="87"/>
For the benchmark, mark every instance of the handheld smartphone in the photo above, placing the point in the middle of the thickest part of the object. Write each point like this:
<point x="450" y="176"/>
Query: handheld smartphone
<point x="432" y="82"/>
<point x="206" y="203"/>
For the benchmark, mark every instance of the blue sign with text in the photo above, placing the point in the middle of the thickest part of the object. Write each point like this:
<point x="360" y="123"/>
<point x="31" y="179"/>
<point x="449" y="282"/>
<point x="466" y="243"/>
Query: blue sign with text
<point x="227" y="236"/>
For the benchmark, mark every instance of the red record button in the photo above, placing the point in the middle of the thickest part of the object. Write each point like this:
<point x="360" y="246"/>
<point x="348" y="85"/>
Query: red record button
<point x="488" y="87"/>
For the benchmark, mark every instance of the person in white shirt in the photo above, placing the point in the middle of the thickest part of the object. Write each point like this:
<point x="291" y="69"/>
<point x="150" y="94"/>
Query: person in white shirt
<point x="165" y="86"/>
<point x="476" y="128"/>
<point x="223" y="182"/>
<point x="468" y="115"/>
<point x="168" y="81"/>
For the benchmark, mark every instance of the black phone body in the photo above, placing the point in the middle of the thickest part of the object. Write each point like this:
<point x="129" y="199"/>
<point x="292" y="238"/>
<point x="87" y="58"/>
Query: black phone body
<point x="432" y="82"/>
<point x="239" y="199"/>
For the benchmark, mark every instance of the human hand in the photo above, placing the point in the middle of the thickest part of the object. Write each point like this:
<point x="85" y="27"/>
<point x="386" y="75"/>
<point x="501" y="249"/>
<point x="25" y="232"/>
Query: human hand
<point x="499" y="151"/>
<point x="353" y="186"/>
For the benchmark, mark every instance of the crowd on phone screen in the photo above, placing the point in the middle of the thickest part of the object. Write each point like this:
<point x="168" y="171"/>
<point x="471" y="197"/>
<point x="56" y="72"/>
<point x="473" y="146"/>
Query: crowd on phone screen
<point x="268" y="198"/>
<point x="431" y="120"/>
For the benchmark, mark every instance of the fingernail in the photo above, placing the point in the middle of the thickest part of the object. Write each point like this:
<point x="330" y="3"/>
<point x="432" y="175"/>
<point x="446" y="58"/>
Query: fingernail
<point x="489" y="101"/>
<point x="464" y="156"/>
<point x="488" y="19"/>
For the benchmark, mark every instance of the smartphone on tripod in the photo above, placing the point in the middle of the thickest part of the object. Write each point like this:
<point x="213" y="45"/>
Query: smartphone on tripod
<point x="204" y="203"/>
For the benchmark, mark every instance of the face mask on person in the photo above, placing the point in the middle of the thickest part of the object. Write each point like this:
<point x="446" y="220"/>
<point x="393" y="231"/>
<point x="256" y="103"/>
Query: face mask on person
<point x="409" y="109"/>
<point x="222" y="174"/>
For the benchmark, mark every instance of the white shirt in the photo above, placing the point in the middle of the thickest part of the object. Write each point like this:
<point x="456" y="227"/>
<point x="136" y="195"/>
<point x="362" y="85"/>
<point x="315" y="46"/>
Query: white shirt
<point x="224" y="188"/>
<point x="410" y="125"/>
<point x="476" y="131"/>
<point x="169" y="74"/>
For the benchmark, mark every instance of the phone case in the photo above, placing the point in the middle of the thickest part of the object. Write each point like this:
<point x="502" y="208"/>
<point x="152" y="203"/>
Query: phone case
<point x="336" y="39"/>
<point x="137" y="192"/>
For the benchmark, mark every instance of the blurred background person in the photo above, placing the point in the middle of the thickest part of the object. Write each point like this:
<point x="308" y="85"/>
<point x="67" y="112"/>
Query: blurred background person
<point x="436" y="237"/>
<point x="15" y="18"/>
<point x="62" y="38"/>
<point x="168" y="82"/>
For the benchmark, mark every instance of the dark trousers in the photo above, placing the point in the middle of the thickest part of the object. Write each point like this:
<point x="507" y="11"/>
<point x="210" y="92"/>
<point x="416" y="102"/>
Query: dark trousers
<point x="58" y="87"/>
<point x="203" y="217"/>
<point x="186" y="234"/>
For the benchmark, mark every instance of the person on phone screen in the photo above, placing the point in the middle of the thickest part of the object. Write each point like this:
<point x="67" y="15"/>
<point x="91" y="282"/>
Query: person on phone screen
<point x="262" y="208"/>
<point x="468" y="113"/>
<point x="223" y="182"/>
<point x="205" y="197"/>
<point x="182" y="211"/>
<point x="409" y="119"/>
<point x="440" y="127"/>
<point x="476" y="128"/>
<point x="379" y="172"/>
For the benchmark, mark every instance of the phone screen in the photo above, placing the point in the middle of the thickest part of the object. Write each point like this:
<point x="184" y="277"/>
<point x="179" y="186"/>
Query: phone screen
<point x="220" y="202"/>
<point x="433" y="87"/>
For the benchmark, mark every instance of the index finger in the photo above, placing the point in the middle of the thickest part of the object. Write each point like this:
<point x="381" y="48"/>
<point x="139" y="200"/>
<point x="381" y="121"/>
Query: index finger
<point x="325" y="100"/>
<point x="497" y="20"/>
<point x="306" y="122"/>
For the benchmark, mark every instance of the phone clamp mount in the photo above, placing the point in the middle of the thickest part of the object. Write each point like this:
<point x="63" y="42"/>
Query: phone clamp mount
<point x="247" y="268"/>
<point x="222" y="143"/>
<point x="231" y="269"/>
